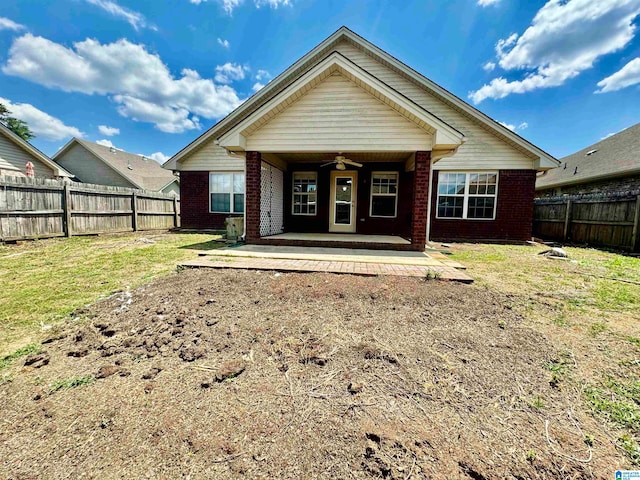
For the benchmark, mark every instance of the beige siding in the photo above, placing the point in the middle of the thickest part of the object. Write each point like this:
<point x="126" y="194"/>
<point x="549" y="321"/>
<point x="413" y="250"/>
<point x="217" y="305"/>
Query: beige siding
<point x="13" y="161"/>
<point x="88" y="169"/>
<point x="482" y="148"/>
<point x="174" y="188"/>
<point x="213" y="158"/>
<point x="338" y="115"/>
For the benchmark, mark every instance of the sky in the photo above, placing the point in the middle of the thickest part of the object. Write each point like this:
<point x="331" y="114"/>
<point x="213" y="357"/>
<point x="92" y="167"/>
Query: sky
<point x="150" y="76"/>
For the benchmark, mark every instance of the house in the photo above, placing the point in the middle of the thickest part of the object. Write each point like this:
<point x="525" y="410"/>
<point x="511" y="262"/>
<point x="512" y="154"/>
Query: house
<point x="349" y="140"/>
<point x="16" y="154"/>
<point x="611" y="166"/>
<point x="94" y="163"/>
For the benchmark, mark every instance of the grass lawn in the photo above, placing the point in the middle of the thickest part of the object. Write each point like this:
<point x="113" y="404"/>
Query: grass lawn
<point x="43" y="281"/>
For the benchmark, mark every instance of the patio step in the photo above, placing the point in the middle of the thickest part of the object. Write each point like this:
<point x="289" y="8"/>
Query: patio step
<point x="340" y="267"/>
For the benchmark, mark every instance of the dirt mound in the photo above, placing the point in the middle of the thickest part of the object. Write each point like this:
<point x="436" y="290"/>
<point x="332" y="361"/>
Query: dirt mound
<point x="229" y="374"/>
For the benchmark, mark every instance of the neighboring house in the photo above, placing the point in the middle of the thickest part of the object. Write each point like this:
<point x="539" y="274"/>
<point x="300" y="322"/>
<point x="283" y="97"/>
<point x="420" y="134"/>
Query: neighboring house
<point x="16" y="153"/>
<point x="93" y="163"/>
<point x="421" y="162"/>
<point x="611" y="166"/>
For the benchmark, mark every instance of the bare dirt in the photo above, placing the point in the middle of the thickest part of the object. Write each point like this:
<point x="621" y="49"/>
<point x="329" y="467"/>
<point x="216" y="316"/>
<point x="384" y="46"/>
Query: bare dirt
<point x="241" y="374"/>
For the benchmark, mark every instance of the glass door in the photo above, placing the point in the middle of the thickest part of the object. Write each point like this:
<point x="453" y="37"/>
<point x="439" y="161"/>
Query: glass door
<point x="343" y="201"/>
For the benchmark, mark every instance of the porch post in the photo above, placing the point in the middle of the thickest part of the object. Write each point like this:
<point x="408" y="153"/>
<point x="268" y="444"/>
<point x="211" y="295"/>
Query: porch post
<point x="419" y="217"/>
<point x="252" y="200"/>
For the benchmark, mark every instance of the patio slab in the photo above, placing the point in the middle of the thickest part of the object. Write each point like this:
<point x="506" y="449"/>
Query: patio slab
<point x="332" y="260"/>
<point x="392" y="257"/>
<point x="355" y="268"/>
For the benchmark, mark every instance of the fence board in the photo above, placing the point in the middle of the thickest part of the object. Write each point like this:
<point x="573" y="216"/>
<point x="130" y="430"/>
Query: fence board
<point x="41" y="208"/>
<point x="602" y="220"/>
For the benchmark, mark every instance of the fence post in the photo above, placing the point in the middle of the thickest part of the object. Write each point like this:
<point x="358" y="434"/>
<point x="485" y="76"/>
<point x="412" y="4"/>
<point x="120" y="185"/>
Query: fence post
<point x="567" y="221"/>
<point x="635" y="240"/>
<point x="134" y="210"/>
<point x="66" y="206"/>
<point x="175" y="212"/>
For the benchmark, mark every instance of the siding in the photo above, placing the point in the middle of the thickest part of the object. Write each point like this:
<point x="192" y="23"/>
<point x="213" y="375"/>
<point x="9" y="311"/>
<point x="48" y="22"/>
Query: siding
<point x="211" y="157"/>
<point x="482" y="149"/>
<point x="13" y="161"/>
<point x="174" y="188"/>
<point x="339" y="115"/>
<point x="88" y="169"/>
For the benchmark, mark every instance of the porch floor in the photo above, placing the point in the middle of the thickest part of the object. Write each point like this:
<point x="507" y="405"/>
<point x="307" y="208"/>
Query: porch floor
<point x="340" y="237"/>
<point x="332" y="260"/>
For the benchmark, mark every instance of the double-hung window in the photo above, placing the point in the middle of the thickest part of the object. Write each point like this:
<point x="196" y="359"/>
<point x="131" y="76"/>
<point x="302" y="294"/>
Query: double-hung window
<point x="467" y="195"/>
<point x="226" y="192"/>
<point x="305" y="186"/>
<point x="384" y="194"/>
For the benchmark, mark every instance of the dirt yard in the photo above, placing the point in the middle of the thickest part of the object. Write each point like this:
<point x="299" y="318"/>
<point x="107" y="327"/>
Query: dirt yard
<point x="240" y="374"/>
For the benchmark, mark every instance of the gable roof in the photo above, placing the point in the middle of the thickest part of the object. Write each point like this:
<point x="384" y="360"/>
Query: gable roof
<point x="142" y="172"/>
<point x="283" y="80"/>
<point x="33" y="151"/>
<point x="614" y="156"/>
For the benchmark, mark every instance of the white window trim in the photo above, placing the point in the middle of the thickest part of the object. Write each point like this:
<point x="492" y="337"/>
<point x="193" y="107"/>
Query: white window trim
<point x="466" y="194"/>
<point x="231" y="204"/>
<point x="293" y="193"/>
<point x="396" y="195"/>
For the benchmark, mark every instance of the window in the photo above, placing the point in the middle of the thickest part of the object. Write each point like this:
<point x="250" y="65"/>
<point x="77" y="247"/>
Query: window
<point x="304" y="193"/>
<point x="384" y="194"/>
<point x="469" y="195"/>
<point x="226" y="192"/>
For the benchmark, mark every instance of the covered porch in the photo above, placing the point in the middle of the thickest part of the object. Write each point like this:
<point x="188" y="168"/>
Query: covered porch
<point x="371" y="200"/>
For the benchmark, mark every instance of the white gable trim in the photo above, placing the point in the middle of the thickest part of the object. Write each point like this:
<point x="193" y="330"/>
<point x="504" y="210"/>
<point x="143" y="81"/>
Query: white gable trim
<point x="445" y="136"/>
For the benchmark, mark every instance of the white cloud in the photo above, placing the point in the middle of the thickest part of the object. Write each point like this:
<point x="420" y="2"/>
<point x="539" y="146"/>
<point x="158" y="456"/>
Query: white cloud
<point x="135" y="19"/>
<point x="40" y="123"/>
<point x="486" y="3"/>
<point x="230" y="5"/>
<point x="159" y="157"/>
<point x="223" y="43"/>
<point x="564" y="39"/>
<point x="230" y="72"/>
<point x="106" y="143"/>
<point x="489" y="66"/>
<point x="257" y="86"/>
<point x="108" y="131"/>
<point x="625" y="77"/>
<point x="263" y="75"/>
<point x="8" y="24"/>
<point x="513" y="127"/>
<point x="138" y="81"/>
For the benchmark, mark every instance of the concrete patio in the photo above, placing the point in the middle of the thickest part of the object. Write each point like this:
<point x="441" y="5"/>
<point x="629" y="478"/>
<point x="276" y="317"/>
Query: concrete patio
<point x="332" y="260"/>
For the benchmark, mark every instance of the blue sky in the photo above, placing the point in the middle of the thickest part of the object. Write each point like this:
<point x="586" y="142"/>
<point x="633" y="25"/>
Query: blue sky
<point x="150" y="76"/>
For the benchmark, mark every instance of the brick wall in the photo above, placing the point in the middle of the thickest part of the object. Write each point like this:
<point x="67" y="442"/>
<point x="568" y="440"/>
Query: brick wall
<point x="252" y="188"/>
<point x="514" y="213"/>
<point x="194" y="203"/>
<point x="420" y="200"/>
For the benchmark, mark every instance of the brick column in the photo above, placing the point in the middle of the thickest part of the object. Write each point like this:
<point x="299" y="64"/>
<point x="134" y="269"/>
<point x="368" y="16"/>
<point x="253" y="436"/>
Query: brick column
<point x="420" y="200"/>
<point x="252" y="194"/>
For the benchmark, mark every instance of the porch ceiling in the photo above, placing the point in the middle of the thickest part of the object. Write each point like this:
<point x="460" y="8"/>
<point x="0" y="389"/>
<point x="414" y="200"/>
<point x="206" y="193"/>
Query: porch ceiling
<point x="361" y="157"/>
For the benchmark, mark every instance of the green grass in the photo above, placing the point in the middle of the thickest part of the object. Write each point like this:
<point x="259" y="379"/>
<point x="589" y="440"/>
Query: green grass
<point x="72" y="382"/>
<point x="22" y="352"/>
<point x="43" y="281"/>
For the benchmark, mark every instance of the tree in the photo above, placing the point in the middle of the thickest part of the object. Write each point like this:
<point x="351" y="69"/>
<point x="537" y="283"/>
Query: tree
<point x="17" y="126"/>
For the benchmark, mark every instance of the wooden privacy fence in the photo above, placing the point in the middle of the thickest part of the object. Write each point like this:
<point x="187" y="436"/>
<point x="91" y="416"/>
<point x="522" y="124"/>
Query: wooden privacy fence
<point x="602" y="220"/>
<point x="41" y="208"/>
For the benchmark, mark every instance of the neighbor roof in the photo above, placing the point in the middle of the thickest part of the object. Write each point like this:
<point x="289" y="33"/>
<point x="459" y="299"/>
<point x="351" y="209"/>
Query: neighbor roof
<point x="142" y="172"/>
<point x="20" y="142"/>
<point x="317" y="54"/>
<point x="614" y="156"/>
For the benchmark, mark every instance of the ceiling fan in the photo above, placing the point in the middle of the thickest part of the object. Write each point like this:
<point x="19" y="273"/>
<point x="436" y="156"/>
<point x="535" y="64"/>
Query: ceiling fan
<point x="341" y="161"/>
